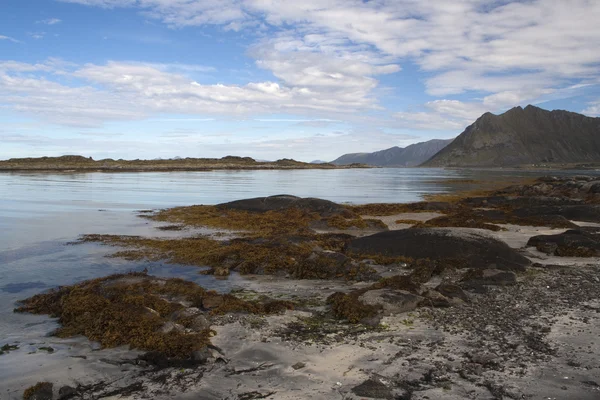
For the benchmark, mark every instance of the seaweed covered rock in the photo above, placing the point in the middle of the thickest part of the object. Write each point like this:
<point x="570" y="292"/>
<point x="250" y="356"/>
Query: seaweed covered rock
<point x="511" y="202"/>
<point x="322" y="207"/>
<point x="578" y="212"/>
<point x="465" y="247"/>
<point x="39" y="391"/>
<point x="167" y="316"/>
<point x="486" y="218"/>
<point x="574" y="187"/>
<point x="391" y="301"/>
<point x="581" y="242"/>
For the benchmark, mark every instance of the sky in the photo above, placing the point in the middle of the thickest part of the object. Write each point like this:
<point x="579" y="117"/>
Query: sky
<point x="310" y="79"/>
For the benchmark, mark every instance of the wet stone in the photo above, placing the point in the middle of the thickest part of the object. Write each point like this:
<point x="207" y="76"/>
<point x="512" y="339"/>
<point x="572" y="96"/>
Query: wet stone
<point x="372" y="389"/>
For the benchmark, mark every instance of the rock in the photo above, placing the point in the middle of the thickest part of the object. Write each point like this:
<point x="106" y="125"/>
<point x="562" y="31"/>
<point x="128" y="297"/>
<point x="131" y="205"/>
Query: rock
<point x="201" y="356"/>
<point x="40" y="391"/>
<point x="452" y="291"/>
<point x="199" y="323"/>
<point x="221" y="271"/>
<point x="372" y="389"/>
<point x="282" y="202"/>
<point x="423" y="271"/>
<point x="581" y="212"/>
<point x="485" y="359"/>
<point x="477" y="279"/>
<point x="66" y="392"/>
<point x="434" y="298"/>
<point x="210" y="302"/>
<point x="171" y="326"/>
<point x="519" y="202"/>
<point x="470" y="248"/>
<point x="582" y="242"/>
<point x="298" y="365"/>
<point x="392" y="301"/>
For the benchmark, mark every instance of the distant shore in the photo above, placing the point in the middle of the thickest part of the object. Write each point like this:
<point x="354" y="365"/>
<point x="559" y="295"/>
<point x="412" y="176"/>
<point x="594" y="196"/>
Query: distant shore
<point x="87" y="164"/>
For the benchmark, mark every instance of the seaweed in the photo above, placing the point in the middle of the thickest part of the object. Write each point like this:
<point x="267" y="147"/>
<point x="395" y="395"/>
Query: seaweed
<point x="134" y="309"/>
<point x="7" y="348"/>
<point x="32" y="391"/>
<point x="309" y="256"/>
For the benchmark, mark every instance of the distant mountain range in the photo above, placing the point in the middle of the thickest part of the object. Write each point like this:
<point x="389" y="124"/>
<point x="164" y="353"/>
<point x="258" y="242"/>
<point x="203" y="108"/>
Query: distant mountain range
<point x="521" y="137"/>
<point x="408" y="156"/>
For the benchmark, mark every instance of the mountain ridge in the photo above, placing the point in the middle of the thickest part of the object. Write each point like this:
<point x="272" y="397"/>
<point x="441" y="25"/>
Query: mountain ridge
<point x="408" y="156"/>
<point x="523" y="136"/>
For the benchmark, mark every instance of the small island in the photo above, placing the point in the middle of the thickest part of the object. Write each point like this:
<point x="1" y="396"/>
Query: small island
<point x="87" y="164"/>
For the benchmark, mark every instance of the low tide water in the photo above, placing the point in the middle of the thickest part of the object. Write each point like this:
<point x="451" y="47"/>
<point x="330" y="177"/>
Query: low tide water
<point x="40" y="213"/>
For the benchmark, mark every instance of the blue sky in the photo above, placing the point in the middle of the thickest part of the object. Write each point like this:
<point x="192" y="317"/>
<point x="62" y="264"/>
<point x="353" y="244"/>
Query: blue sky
<point x="272" y="79"/>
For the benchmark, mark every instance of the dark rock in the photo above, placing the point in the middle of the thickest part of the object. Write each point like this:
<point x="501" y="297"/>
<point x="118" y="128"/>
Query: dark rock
<point x="372" y="389"/>
<point x="199" y="323"/>
<point x="452" y="291"/>
<point x="283" y="202"/>
<point x="209" y="302"/>
<point x="392" y="301"/>
<point x="477" y="279"/>
<point x="466" y="247"/>
<point x="485" y="359"/>
<point x="581" y="212"/>
<point x="201" y="356"/>
<point x="434" y="298"/>
<point x="66" y="392"/>
<point x="298" y="365"/>
<point x="519" y="202"/>
<point x="582" y="242"/>
<point x="41" y="391"/>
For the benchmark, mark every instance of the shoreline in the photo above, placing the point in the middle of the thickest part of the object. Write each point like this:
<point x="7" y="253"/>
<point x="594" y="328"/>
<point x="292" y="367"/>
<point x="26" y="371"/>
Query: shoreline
<point x="517" y="334"/>
<point x="83" y="164"/>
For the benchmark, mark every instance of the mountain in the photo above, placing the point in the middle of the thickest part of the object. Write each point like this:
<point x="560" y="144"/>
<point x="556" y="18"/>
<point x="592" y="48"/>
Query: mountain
<point x="521" y="136"/>
<point x="396" y="156"/>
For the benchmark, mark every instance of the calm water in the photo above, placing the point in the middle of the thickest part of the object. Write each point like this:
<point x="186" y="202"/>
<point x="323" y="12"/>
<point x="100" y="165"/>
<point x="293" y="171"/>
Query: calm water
<point x="40" y="213"/>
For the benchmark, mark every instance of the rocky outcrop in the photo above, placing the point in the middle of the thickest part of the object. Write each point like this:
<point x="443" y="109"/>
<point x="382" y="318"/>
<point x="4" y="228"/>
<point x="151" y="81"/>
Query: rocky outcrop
<point x="581" y="242"/>
<point x="469" y="248"/>
<point x="283" y="202"/>
<point x="523" y="137"/>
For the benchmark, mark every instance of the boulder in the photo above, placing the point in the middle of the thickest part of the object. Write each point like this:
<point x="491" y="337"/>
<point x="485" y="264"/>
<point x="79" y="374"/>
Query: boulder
<point x="519" y="201"/>
<point x="582" y="242"/>
<point x="452" y="291"/>
<point x="372" y="389"/>
<point x="434" y="298"/>
<point x="66" y="392"/>
<point x="477" y="279"/>
<point x="392" y="301"/>
<point x="580" y="212"/>
<point x="40" y="391"/>
<point x="472" y="248"/>
<point x="325" y="208"/>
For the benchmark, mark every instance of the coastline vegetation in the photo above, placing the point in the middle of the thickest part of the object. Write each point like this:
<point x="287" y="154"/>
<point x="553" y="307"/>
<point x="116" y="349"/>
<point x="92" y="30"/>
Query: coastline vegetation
<point x="142" y="311"/>
<point x="80" y="163"/>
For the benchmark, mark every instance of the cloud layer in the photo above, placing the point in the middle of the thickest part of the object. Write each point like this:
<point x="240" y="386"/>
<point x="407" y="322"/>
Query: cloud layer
<point x="327" y="59"/>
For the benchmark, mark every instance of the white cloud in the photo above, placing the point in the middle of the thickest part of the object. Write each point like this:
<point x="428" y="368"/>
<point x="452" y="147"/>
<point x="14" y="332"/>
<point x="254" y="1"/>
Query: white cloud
<point x="10" y="39"/>
<point x="37" y="35"/>
<point x="123" y="91"/>
<point x="49" y="21"/>
<point x="506" y="51"/>
<point x="593" y="109"/>
<point x="446" y="115"/>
